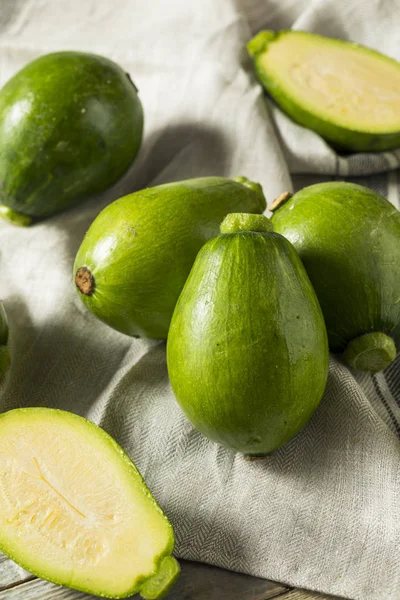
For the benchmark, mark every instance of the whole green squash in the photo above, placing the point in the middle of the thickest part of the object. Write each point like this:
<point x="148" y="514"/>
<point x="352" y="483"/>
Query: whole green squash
<point x="138" y="252"/>
<point x="247" y="350"/>
<point x="70" y="126"/>
<point x="348" y="238"/>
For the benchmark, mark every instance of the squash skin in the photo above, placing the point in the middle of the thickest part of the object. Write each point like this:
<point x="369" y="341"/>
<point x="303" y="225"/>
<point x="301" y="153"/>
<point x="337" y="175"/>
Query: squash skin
<point x="341" y="138"/>
<point x="140" y="249"/>
<point x="348" y="238"/>
<point x="70" y="126"/>
<point x="247" y="351"/>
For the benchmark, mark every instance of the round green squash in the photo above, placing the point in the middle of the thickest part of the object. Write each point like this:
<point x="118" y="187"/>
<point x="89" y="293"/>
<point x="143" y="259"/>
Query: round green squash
<point x="4" y="352"/>
<point x="138" y="252"/>
<point x="70" y="126"/>
<point x="348" y="238"/>
<point x="247" y="349"/>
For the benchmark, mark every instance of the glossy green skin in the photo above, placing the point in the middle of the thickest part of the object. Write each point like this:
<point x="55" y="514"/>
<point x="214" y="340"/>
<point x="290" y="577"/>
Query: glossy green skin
<point x="247" y="350"/>
<point x="340" y="137"/>
<point x="70" y="126"/>
<point x="140" y="248"/>
<point x="4" y="352"/>
<point x="348" y="238"/>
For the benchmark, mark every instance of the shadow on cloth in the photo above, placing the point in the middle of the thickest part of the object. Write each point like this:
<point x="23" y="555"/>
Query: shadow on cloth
<point x="58" y="364"/>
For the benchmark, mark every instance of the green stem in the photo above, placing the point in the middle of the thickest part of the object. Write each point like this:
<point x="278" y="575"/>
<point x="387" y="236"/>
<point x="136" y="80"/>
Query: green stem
<point x="14" y="217"/>
<point x="236" y="222"/>
<point x="371" y="352"/>
<point x="259" y="43"/>
<point x="256" y="188"/>
<point x="159" y="584"/>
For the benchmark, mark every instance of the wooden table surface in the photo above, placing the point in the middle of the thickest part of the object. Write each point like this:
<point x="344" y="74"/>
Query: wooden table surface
<point x="197" y="582"/>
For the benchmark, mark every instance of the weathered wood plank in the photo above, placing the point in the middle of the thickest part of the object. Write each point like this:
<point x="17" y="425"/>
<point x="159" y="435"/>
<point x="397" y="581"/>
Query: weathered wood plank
<point x="202" y="582"/>
<point x="10" y="573"/>
<point x="306" y="595"/>
<point x="197" y="582"/>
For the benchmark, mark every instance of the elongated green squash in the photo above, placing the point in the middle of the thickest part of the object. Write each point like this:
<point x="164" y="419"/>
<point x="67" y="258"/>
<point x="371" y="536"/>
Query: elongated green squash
<point x="247" y="350"/>
<point x="75" y="510"/>
<point x="137" y="254"/>
<point x="348" y="238"/>
<point x="70" y="126"/>
<point x="347" y="93"/>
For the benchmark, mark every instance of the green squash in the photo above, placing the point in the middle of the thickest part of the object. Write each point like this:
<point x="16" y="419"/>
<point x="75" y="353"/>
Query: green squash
<point x="137" y="254"/>
<point x="75" y="510"/>
<point x="348" y="238"/>
<point x="247" y="350"/>
<point x="347" y="93"/>
<point x="70" y="126"/>
<point x="4" y="352"/>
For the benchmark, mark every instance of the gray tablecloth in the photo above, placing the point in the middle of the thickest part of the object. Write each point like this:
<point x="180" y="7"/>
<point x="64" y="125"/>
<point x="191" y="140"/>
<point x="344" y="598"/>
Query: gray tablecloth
<point x="323" y="512"/>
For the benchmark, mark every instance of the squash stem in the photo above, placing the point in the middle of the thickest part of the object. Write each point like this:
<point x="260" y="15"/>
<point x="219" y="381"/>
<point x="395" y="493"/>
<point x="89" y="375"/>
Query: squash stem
<point x="279" y="201"/>
<point x="159" y="584"/>
<point x="14" y="217"/>
<point x="256" y="188"/>
<point x="84" y="281"/>
<point x="237" y="222"/>
<point x="371" y="352"/>
<point x="260" y="42"/>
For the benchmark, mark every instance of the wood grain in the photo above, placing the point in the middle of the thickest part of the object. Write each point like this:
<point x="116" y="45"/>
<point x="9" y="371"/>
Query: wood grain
<point x="197" y="582"/>
<point x="10" y="573"/>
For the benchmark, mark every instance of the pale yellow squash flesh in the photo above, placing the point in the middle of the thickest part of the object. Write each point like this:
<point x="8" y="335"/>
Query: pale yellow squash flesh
<point x="73" y="507"/>
<point x="337" y="81"/>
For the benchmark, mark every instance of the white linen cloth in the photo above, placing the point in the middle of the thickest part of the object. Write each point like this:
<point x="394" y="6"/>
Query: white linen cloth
<point x="323" y="512"/>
